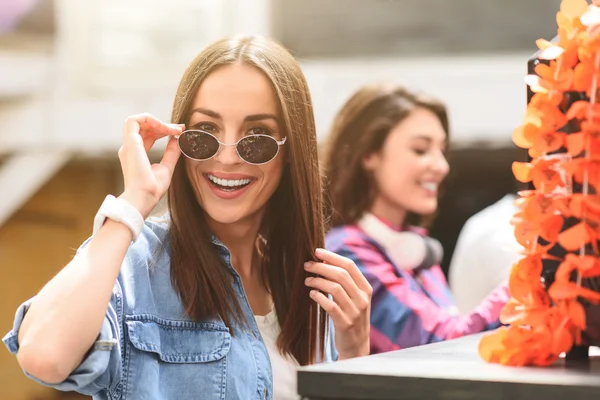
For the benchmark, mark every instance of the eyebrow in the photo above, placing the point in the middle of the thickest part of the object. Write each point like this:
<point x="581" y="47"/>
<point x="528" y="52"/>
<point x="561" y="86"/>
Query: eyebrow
<point x="429" y="139"/>
<point x="249" y="118"/>
<point x="422" y="137"/>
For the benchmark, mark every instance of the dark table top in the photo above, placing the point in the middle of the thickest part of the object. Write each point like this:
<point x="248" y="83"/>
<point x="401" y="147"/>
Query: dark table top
<point x="450" y="370"/>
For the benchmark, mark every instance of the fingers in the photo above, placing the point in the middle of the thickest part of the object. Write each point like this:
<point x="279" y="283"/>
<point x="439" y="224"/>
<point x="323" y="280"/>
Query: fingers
<point x="150" y="137"/>
<point x="336" y="274"/>
<point x="171" y="155"/>
<point x="145" y="129"/>
<point x="340" y="296"/>
<point x="335" y="312"/>
<point x="350" y="301"/>
<point x="348" y="265"/>
<point x="148" y="122"/>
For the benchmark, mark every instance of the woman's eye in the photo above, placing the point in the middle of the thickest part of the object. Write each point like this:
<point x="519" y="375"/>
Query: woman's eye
<point x="420" y="151"/>
<point x="259" y="131"/>
<point x="205" y="126"/>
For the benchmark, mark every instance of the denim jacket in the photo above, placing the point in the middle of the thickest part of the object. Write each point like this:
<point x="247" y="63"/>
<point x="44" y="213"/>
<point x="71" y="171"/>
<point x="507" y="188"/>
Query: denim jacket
<point x="148" y="348"/>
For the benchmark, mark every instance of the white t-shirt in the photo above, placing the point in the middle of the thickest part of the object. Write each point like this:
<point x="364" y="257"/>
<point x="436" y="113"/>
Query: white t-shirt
<point x="284" y="368"/>
<point x="484" y="255"/>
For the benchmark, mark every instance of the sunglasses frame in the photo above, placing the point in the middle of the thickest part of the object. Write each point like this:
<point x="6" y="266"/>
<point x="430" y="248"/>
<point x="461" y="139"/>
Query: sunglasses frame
<point x="279" y="144"/>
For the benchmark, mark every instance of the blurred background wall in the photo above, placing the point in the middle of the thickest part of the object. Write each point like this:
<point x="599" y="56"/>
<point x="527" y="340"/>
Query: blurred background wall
<point x="72" y="70"/>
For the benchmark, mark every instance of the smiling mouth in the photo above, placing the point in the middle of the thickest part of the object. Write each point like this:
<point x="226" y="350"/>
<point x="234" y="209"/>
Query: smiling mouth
<point x="228" y="185"/>
<point x="429" y="186"/>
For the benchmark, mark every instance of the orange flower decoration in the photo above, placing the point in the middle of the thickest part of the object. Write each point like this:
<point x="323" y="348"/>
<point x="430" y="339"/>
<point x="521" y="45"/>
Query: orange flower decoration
<point x="584" y="110"/>
<point x="547" y="174"/>
<point x="550" y="77"/>
<point x="577" y="236"/>
<point x="586" y="170"/>
<point x="546" y="321"/>
<point x="587" y="137"/>
<point x="583" y="76"/>
<point x="519" y="345"/>
<point x="527" y="231"/>
<point x="539" y="132"/>
<point x="536" y="206"/>
<point x="525" y="285"/>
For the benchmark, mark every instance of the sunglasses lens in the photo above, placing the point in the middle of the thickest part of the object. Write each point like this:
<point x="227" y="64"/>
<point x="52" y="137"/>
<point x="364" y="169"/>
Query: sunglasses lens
<point x="257" y="149"/>
<point x="198" y="145"/>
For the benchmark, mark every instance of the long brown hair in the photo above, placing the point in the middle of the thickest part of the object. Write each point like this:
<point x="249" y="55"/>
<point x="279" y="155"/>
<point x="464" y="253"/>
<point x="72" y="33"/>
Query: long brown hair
<point x="293" y="224"/>
<point x="359" y="129"/>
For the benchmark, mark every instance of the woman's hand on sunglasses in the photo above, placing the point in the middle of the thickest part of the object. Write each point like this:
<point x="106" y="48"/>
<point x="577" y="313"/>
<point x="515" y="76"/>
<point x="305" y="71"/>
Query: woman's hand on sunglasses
<point x="146" y="183"/>
<point x="350" y="303"/>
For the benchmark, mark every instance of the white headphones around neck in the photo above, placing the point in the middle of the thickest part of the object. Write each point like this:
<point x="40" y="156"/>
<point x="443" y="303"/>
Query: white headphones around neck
<point x="407" y="249"/>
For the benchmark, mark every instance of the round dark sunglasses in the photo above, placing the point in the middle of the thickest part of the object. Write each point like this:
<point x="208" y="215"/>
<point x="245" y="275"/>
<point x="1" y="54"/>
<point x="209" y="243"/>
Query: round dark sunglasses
<point x="254" y="149"/>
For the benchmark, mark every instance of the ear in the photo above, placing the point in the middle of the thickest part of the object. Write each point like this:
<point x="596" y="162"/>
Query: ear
<point x="370" y="161"/>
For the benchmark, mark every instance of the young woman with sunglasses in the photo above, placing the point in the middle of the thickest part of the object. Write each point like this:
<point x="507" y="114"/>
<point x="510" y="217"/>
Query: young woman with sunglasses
<point x="384" y="164"/>
<point x="228" y="293"/>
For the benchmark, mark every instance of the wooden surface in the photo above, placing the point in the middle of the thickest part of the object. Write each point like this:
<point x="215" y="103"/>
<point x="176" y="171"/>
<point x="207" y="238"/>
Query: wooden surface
<point x="37" y="242"/>
<point x="450" y="370"/>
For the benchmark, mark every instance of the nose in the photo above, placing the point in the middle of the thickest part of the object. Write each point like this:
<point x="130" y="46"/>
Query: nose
<point x="440" y="164"/>
<point x="227" y="153"/>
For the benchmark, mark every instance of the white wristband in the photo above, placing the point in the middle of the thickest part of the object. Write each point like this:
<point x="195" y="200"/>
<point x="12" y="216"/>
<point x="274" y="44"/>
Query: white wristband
<point x="122" y="211"/>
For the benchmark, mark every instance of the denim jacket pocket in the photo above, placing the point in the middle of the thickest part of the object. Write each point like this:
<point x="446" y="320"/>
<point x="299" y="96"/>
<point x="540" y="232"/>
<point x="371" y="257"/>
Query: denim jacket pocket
<point x="169" y="359"/>
<point x="179" y="341"/>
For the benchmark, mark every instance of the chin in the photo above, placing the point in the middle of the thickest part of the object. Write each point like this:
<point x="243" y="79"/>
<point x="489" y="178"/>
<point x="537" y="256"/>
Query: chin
<point x="424" y="208"/>
<point x="225" y="215"/>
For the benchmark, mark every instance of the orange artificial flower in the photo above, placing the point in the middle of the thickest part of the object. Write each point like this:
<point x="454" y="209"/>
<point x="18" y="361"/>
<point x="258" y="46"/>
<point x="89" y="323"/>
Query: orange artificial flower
<point x="570" y="291"/>
<point x="547" y="174"/>
<point x="573" y="9"/>
<point x="587" y="266"/>
<point x="567" y="18"/>
<point x="585" y="171"/>
<point x="532" y="311"/>
<point x="549" y="50"/>
<point x="589" y="42"/>
<point x="576" y="236"/>
<point x="585" y="207"/>
<point x="586" y="142"/>
<point x="583" y="77"/>
<point x="541" y="123"/>
<point x="524" y="278"/>
<point x="584" y="110"/>
<point x="536" y="206"/>
<point x="544" y="112"/>
<point x="550" y="77"/>
<point x="519" y="345"/>
<point x="547" y="142"/>
<point x="527" y="232"/>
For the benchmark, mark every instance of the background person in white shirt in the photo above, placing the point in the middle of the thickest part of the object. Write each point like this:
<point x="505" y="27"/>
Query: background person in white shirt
<point x="485" y="253"/>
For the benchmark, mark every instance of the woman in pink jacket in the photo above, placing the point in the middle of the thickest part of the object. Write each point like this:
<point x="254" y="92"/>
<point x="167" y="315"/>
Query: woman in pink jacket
<point x="384" y="163"/>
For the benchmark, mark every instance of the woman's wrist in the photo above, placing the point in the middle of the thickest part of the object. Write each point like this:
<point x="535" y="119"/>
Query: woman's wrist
<point x="143" y="203"/>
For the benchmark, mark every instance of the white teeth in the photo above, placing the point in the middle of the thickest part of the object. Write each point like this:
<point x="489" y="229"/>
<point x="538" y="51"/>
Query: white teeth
<point x="228" y="182"/>
<point x="431" y="186"/>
